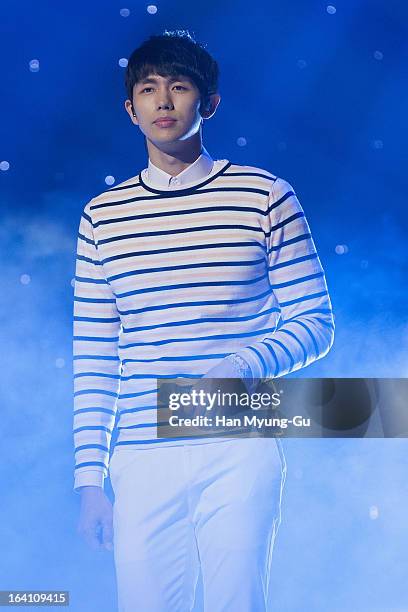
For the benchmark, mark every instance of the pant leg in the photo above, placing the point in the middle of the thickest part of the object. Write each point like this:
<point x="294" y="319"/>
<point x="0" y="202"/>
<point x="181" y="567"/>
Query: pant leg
<point x="237" y="517"/>
<point x="155" y="549"/>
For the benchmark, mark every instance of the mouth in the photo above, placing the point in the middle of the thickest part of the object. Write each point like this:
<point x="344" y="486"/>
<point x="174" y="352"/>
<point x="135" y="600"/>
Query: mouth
<point x="165" y="123"/>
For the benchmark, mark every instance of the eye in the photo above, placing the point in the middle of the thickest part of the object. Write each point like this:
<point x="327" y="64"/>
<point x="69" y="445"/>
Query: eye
<point x="145" y="89"/>
<point x="180" y="87"/>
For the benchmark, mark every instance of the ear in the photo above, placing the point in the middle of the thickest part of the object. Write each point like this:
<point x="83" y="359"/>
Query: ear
<point x="131" y="112"/>
<point x="210" y="105"/>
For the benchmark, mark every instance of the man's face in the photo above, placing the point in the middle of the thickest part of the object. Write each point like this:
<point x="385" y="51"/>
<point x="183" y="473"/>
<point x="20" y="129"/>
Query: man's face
<point x="175" y="98"/>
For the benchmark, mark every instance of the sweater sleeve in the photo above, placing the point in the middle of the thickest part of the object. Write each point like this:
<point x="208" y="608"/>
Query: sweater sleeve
<point x="305" y="330"/>
<point x="96" y="364"/>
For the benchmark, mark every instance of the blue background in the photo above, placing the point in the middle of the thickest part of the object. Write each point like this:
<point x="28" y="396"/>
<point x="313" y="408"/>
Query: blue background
<point x="320" y="99"/>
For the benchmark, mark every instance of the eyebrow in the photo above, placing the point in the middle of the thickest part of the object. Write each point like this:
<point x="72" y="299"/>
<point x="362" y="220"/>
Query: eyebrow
<point x="170" y="79"/>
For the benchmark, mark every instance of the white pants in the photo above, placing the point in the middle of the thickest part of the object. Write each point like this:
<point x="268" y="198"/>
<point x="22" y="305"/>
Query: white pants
<point x="214" y="505"/>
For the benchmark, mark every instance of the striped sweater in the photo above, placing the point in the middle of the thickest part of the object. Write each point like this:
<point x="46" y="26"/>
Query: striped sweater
<point x="170" y="282"/>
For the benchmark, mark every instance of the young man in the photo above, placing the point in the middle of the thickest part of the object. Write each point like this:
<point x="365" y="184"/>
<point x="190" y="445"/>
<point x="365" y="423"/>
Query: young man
<point x="194" y="268"/>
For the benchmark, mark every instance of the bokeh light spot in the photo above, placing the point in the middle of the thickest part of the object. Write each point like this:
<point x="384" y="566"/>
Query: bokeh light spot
<point x="341" y="249"/>
<point x="373" y="513"/>
<point x="25" y="279"/>
<point x="34" y="65"/>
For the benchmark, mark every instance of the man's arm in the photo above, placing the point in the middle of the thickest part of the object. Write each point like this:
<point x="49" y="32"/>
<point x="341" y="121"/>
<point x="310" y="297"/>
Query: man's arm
<point x="96" y="329"/>
<point x="306" y="328"/>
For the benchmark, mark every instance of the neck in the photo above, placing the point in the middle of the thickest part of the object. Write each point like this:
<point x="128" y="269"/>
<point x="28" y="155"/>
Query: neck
<point x="175" y="157"/>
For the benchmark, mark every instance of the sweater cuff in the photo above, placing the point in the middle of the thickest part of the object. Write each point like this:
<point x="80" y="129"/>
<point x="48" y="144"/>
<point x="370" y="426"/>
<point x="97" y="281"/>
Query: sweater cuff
<point x="87" y="478"/>
<point x="253" y="361"/>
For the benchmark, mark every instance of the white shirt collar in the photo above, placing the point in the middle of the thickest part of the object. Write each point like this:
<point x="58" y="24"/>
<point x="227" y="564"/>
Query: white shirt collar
<point x="195" y="172"/>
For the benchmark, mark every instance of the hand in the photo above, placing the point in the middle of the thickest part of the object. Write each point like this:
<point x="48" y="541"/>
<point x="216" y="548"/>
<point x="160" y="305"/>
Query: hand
<point x="96" y="518"/>
<point x="224" y="370"/>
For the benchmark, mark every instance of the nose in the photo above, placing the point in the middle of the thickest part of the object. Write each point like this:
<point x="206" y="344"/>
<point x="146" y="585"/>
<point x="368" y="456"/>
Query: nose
<point x="164" y="100"/>
<point x="166" y="105"/>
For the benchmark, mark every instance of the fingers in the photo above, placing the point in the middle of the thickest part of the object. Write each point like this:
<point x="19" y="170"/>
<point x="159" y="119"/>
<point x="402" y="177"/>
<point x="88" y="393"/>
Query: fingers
<point x="107" y="535"/>
<point x="97" y="535"/>
<point x="91" y="536"/>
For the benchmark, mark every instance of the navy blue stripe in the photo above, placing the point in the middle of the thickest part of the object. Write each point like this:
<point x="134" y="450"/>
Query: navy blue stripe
<point x="286" y="243"/>
<point x="286" y="331"/>
<point x="85" y="446"/>
<point x="96" y="339"/>
<point x="280" y="201"/>
<point x="292" y="262"/>
<point x="296" y="281"/>
<point x="303" y="298"/>
<point x="302" y="324"/>
<point x="210" y="179"/>
<point x="174" y="358"/>
<point x="265" y="176"/>
<point x="272" y="352"/>
<point x="133" y="411"/>
<point x="261" y="359"/>
<point x="323" y="322"/>
<point x="97" y="320"/>
<point x="99" y="374"/>
<point x="199" y="338"/>
<point x="168" y="213"/>
<point x="191" y="304"/>
<point x="92" y="428"/>
<point x="94" y="300"/>
<point x="88" y="260"/>
<point x="95" y="281"/>
<point x="119" y="188"/>
<point x="206" y="320"/>
<point x="236" y="283"/>
<point x="285" y="349"/>
<point x="175" y="232"/>
<point x="297" y="215"/>
<point x="176" y="193"/>
<point x="139" y="394"/>
<point x="190" y="191"/>
<point x="199" y="247"/>
<point x="90" y="463"/>
<point x="95" y="391"/>
<point x="85" y="239"/>
<point x="311" y="311"/>
<point x="190" y="266"/>
<point x="104" y="410"/>
<point x="164" y="376"/>
<point x="108" y="357"/>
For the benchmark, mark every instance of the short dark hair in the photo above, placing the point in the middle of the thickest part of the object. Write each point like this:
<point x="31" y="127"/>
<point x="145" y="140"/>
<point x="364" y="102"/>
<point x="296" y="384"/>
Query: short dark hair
<point x="170" y="54"/>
